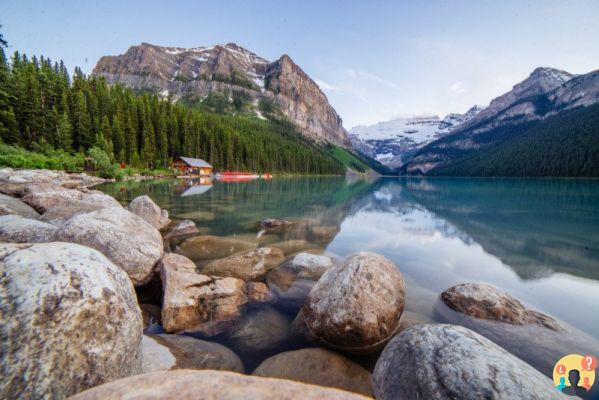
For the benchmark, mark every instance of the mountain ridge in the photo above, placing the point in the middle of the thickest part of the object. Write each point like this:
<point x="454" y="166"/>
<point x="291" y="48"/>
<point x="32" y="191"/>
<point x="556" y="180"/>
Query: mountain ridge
<point x="176" y="72"/>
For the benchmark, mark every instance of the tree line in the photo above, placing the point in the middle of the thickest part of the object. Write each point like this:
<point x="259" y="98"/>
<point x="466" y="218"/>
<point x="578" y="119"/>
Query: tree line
<point x="42" y="106"/>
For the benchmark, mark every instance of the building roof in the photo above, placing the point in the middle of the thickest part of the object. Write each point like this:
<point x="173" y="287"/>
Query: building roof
<point x="195" y="162"/>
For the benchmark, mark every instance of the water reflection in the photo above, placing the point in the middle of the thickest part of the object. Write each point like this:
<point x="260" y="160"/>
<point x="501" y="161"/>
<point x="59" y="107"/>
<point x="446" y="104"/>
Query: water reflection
<point x="536" y="239"/>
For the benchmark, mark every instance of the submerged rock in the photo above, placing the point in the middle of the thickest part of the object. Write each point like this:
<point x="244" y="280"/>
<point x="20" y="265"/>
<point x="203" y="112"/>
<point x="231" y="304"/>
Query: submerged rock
<point x="129" y="241"/>
<point x="190" y="298"/>
<point x="293" y="246"/>
<point x="293" y="280"/>
<point x="323" y="233"/>
<point x="258" y="292"/>
<point x="70" y="321"/>
<point x="357" y="304"/>
<point x="182" y="229"/>
<point x="319" y="367"/>
<point x="17" y="229"/>
<point x="260" y="332"/>
<point x="452" y="362"/>
<point x="211" y="247"/>
<point x="144" y="207"/>
<point x="166" y="352"/>
<point x="530" y="335"/>
<point x="483" y="301"/>
<point x="248" y="265"/>
<point x="188" y="385"/>
<point x="11" y="206"/>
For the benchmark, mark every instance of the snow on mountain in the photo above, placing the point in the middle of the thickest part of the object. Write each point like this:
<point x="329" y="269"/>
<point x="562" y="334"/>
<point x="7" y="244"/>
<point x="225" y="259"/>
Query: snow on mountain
<point x="393" y="142"/>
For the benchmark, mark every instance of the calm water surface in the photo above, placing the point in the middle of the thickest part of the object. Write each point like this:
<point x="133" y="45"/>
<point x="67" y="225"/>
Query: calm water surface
<point x="536" y="239"/>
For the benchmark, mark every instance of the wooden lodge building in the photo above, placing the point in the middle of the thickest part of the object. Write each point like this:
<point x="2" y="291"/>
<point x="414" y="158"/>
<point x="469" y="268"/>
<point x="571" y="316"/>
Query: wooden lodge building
<point x="194" y="166"/>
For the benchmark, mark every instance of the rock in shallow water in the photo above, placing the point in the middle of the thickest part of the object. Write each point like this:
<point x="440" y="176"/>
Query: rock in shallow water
<point x="190" y="298"/>
<point x="211" y="247"/>
<point x="451" y="362"/>
<point x="357" y="304"/>
<point x="182" y="229"/>
<point x="260" y="332"/>
<point x="129" y="241"/>
<point x="530" y="335"/>
<point x="144" y="207"/>
<point x="166" y="352"/>
<point x="483" y="301"/>
<point x="17" y="229"/>
<point x="319" y="367"/>
<point x="70" y="321"/>
<point x="248" y="265"/>
<point x="11" y="206"/>
<point x="292" y="281"/>
<point x="192" y="385"/>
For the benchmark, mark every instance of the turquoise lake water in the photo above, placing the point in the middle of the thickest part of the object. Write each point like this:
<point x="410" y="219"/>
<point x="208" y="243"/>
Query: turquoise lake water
<point x="536" y="239"/>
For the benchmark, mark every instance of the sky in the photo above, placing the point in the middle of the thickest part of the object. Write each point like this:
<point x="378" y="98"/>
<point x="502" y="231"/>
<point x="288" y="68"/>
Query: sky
<point x="375" y="60"/>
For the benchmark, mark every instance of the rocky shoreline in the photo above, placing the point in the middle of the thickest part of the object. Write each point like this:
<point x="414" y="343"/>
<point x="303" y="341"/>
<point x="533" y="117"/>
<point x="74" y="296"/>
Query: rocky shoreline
<point x="99" y="300"/>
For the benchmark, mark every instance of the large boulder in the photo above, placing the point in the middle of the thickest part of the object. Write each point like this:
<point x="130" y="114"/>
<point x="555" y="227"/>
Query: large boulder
<point x="183" y="229"/>
<point x="191" y="299"/>
<point x="69" y="321"/>
<point x="61" y="212"/>
<point x="193" y="385"/>
<point x="250" y="265"/>
<point x="318" y="367"/>
<point x="292" y="281"/>
<point x="357" y="304"/>
<point x="17" y="229"/>
<point x="43" y="196"/>
<point x="211" y="247"/>
<point x="149" y="212"/>
<point x="166" y="352"/>
<point x="11" y="206"/>
<point x="530" y="335"/>
<point x="129" y="241"/>
<point x="451" y="362"/>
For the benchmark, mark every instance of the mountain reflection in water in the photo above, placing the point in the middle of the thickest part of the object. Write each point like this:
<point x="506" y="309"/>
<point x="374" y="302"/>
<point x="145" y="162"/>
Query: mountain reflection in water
<point x="536" y="239"/>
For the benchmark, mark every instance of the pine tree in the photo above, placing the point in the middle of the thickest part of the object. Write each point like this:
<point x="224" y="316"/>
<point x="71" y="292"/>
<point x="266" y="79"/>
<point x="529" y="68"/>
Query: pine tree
<point x="64" y="133"/>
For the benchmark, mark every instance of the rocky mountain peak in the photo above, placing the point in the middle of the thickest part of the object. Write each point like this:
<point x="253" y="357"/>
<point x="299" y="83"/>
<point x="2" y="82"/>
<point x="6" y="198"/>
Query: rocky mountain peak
<point x="198" y="72"/>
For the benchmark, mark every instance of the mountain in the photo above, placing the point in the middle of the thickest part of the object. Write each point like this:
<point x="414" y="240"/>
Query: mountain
<point x="393" y="142"/>
<point x="225" y="75"/>
<point x="549" y="103"/>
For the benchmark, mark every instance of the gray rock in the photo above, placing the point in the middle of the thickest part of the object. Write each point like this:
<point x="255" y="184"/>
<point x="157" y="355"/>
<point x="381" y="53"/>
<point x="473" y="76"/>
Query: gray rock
<point x="182" y="229"/>
<point x="292" y="281"/>
<point x="192" y="385"/>
<point x="318" y="367"/>
<point x="144" y="207"/>
<point x="191" y="299"/>
<point x="166" y="352"/>
<point x="17" y="229"/>
<point x="260" y="332"/>
<point x="250" y="265"/>
<point x="357" y="304"/>
<point x="129" y="241"/>
<point x="69" y="321"/>
<point x="43" y="196"/>
<point x="483" y="301"/>
<point x="11" y="206"/>
<point x="528" y="334"/>
<point x="61" y="212"/>
<point x="452" y="362"/>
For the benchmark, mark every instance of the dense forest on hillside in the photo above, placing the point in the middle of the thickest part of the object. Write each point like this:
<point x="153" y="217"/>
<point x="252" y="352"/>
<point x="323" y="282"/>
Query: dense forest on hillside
<point x="566" y="144"/>
<point x="42" y="107"/>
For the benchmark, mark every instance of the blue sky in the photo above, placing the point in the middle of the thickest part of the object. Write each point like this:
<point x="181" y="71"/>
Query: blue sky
<point x="375" y="60"/>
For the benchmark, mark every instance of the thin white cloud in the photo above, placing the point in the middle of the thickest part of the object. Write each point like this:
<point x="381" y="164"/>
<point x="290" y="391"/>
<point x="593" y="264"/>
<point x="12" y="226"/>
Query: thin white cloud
<point x="327" y="87"/>
<point x="352" y="73"/>
<point x="457" y="88"/>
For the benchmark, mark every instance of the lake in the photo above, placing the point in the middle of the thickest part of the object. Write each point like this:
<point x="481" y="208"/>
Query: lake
<point x="536" y="239"/>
